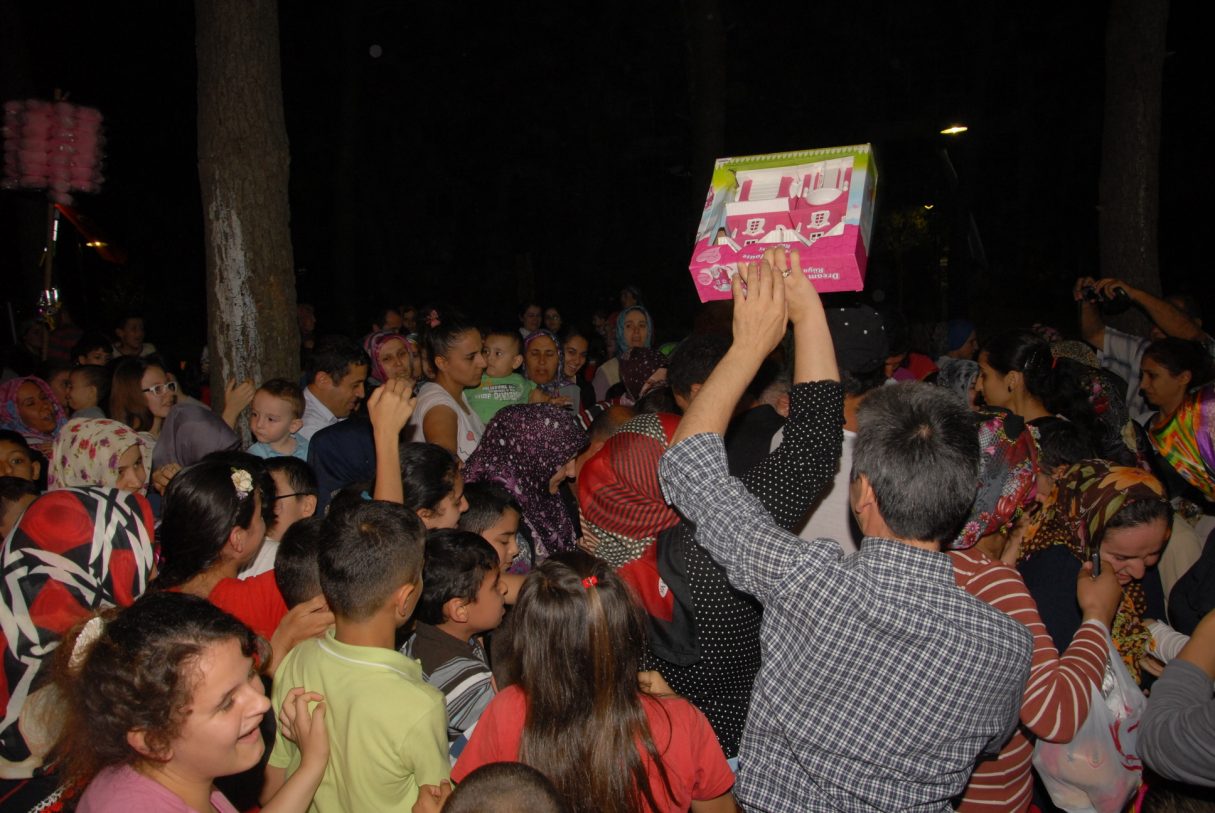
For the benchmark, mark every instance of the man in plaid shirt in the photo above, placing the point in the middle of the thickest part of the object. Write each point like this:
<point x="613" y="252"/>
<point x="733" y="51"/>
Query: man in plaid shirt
<point x="882" y="682"/>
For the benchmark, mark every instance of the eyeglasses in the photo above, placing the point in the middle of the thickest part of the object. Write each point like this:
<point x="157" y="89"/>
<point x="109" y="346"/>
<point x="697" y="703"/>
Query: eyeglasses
<point x="285" y="496"/>
<point x="161" y="389"/>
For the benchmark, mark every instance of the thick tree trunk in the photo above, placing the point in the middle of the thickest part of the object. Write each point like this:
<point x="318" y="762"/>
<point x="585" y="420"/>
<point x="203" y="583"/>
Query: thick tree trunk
<point x="1130" y="150"/>
<point x="243" y="169"/>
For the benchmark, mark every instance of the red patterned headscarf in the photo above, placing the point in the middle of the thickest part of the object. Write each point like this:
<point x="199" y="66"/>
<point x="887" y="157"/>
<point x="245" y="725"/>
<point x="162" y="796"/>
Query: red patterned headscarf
<point x="621" y="502"/>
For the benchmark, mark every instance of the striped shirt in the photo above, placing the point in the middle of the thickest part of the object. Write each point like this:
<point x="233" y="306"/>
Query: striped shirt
<point x="459" y="669"/>
<point x="1056" y="697"/>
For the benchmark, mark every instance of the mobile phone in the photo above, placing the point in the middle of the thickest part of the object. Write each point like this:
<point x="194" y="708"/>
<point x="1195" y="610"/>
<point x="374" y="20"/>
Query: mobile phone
<point x="1095" y="558"/>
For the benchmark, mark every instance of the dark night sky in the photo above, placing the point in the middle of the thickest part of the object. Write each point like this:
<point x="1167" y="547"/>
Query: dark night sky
<point x="491" y="152"/>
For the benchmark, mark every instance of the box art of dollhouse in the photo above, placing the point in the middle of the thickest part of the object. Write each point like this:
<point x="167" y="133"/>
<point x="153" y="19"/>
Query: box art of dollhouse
<point x="819" y="202"/>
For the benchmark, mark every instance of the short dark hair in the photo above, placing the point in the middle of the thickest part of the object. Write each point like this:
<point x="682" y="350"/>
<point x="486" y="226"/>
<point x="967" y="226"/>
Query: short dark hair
<point x="334" y="356"/>
<point x="90" y="341"/>
<point x="456" y="564"/>
<point x="296" y="566"/>
<point x="509" y="333"/>
<point x="428" y="474"/>
<point x="694" y="359"/>
<point x="299" y="474"/>
<point x="917" y="445"/>
<point x="13" y="489"/>
<point x="487" y="502"/>
<point x="505" y="787"/>
<point x="371" y="550"/>
<point x="15" y="438"/>
<point x="289" y="391"/>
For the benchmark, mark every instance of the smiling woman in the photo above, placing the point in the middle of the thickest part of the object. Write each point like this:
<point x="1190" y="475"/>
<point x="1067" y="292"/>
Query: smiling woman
<point x="163" y="698"/>
<point x="28" y="406"/>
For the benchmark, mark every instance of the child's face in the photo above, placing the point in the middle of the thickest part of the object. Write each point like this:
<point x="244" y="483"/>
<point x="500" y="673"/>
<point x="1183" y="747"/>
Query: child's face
<point x="501" y="357"/>
<point x="504" y="536"/>
<point x="60" y="383"/>
<point x="447" y="513"/>
<point x="271" y="419"/>
<point x="16" y="461"/>
<point x="287" y="509"/>
<point x="159" y="403"/>
<point x="81" y="394"/>
<point x="486" y="610"/>
<point x="220" y="735"/>
<point x="98" y="356"/>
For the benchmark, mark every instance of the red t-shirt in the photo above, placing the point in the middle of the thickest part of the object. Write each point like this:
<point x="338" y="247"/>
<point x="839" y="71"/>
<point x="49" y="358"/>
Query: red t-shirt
<point x="256" y="601"/>
<point x="691" y="755"/>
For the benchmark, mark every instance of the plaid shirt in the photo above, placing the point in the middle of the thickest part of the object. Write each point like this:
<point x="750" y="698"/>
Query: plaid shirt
<point x="882" y="682"/>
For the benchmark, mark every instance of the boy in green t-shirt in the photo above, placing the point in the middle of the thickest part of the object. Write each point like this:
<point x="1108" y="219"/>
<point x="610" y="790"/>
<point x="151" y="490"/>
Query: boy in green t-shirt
<point x="387" y="728"/>
<point x="500" y="385"/>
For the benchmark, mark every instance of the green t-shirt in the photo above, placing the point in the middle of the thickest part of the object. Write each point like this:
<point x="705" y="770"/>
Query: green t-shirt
<point x="387" y="727"/>
<point x="495" y="393"/>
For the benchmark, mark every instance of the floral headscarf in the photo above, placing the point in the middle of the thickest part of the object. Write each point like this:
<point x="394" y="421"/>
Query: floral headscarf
<point x="87" y="451"/>
<point x="11" y="419"/>
<point x="1075" y="515"/>
<point x="373" y="344"/>
<point x="521" y="450"/>
<point x="1007" y="476"/>
<point x="622" y="346"/>
<point x="1116" y="436"/>
<point x="621" y="502"/>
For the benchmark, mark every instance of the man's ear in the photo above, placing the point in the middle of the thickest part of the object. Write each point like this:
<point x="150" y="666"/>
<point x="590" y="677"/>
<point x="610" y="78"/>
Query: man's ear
<point x="138" y="740"/>
<point x="324" y="380"/>
<point x="517" y="361"/>
<point x="308" y="505"/>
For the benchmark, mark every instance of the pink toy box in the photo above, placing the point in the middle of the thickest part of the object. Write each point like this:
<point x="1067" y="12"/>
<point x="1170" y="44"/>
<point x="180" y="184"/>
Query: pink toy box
<point x="819" y="202"/>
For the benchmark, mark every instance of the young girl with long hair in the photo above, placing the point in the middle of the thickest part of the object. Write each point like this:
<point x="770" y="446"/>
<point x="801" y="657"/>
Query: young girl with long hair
<point x="163" y="698"/>
<point x="577" y="713"/>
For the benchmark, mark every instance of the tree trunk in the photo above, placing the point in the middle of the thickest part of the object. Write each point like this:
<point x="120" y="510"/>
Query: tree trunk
<point x="243" y="169"/>
<point x="1128" y="191"/>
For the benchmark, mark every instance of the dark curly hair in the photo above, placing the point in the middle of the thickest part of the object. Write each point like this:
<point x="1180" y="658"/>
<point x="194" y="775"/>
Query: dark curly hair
<point x="139" y="674"/>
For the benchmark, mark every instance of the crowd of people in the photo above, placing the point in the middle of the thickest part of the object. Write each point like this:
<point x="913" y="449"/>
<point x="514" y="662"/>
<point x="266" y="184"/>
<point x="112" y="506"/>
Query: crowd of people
<point x="803" y="563"/>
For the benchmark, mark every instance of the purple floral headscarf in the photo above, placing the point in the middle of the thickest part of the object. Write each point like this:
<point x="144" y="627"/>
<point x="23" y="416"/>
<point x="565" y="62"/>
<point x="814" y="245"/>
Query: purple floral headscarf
<point x="11" y="419"/>
<point x="521" y="450"/>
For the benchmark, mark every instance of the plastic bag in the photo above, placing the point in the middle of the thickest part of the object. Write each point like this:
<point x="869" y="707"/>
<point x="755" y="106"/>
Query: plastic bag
<point x="1099" y="770"/>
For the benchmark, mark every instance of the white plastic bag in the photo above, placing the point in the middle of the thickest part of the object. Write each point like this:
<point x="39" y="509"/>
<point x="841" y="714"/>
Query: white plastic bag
<point x="1099" y="770"/>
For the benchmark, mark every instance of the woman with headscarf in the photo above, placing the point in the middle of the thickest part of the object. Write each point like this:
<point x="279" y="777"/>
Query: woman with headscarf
<point x="529" y="450"/>
<point x="639" y="374"/>
<point x="99" y="452"/>
<point x="1118" y="514"/>
<point x="1056" y="698"/>
<point x="634" y="328"/>
<point x="542" y="363"/>
<point x="28" y="406"/>
<point x="390" y="357"/>
<point x="74" y="552"/>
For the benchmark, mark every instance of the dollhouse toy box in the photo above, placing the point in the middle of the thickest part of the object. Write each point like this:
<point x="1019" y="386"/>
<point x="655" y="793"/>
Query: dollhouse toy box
<point x="819" y="202"/>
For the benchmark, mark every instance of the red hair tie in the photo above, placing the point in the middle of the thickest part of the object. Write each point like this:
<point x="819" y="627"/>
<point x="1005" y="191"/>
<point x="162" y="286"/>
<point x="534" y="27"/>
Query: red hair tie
<point x="590" y="581"/>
